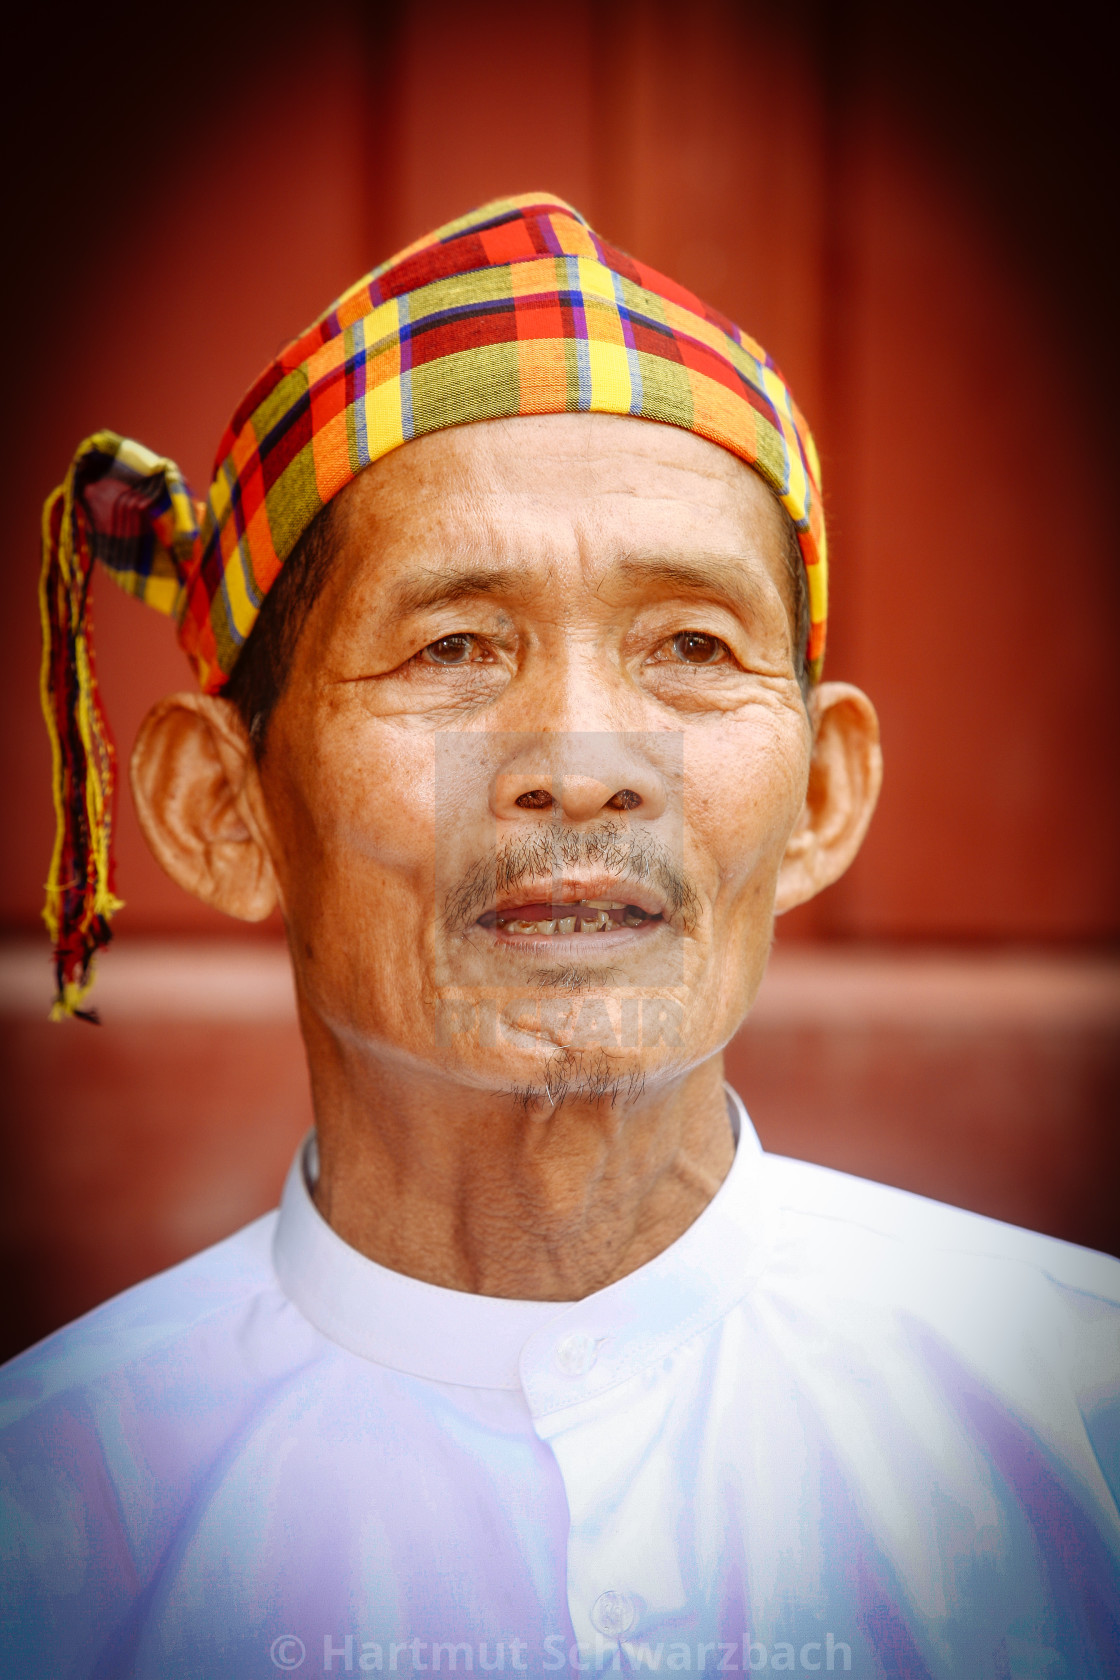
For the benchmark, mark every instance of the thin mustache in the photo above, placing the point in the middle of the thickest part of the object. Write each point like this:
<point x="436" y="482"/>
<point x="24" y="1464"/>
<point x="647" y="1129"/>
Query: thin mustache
<point x="619" y="852"/>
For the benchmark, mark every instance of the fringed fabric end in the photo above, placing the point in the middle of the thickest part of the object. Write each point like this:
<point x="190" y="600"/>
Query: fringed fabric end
<point x="69" y="997"/>
<point x="80" y="900"/>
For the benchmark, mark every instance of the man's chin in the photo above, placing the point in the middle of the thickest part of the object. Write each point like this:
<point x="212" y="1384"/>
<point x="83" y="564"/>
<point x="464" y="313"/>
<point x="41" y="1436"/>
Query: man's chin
<point x="568" y="1038"/>
<point x="587" y="1076"/>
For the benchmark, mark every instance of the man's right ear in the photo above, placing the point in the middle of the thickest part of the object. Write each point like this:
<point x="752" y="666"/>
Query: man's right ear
<point x="195" y="785"/>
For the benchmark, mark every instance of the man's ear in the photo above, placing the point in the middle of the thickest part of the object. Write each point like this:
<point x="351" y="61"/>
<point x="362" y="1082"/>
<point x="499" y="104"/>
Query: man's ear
<point x="197" y="795"/>
<point x="845" y="774"/>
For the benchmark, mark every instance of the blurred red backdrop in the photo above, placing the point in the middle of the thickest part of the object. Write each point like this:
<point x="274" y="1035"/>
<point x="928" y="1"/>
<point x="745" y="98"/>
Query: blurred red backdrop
<point x="907" y="213"/>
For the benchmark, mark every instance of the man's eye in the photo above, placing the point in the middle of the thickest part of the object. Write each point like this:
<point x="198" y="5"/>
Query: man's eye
<point x="449" y="650"/>
<point x="693" y="648"/>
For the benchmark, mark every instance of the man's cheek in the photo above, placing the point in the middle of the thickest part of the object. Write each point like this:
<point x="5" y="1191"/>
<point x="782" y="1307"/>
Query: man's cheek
<point x="378" y="812"/>
<point x="736" y="827"/>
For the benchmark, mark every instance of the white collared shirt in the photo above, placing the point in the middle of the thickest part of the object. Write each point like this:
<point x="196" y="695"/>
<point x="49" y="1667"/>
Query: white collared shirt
<point x="834" y="1428"/>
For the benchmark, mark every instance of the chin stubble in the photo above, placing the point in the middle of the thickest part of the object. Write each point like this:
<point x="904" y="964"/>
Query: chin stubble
<point x="588" y="1076"/>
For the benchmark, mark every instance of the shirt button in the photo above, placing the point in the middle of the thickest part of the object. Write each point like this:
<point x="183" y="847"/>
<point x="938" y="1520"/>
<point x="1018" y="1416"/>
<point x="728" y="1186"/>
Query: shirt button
<point x="613" y="1613"/>
<point x="575" y="1354"/>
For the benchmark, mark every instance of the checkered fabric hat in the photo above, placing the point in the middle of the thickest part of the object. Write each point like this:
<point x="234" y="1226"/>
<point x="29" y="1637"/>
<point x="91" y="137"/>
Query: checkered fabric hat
<point x="517" y="308"/>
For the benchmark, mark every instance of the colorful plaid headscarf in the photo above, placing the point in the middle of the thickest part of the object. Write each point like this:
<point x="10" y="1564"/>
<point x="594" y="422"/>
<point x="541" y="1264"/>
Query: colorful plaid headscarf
<point x="517" y="308"/>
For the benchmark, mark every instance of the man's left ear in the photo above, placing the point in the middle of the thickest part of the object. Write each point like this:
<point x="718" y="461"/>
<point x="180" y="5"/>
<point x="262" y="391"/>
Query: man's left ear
<point x="845" y="774"/>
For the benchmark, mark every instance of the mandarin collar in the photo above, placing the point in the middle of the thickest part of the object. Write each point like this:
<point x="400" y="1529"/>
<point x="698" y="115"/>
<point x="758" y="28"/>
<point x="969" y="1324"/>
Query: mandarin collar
<point x="555" y="1352"/>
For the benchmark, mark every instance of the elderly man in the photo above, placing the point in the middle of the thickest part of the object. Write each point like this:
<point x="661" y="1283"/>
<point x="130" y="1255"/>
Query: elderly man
<point x="511" y="705"/>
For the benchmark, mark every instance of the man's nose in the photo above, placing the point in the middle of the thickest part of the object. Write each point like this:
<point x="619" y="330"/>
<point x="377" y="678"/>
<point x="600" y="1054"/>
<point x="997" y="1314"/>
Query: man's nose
<point x="601" y="780"/>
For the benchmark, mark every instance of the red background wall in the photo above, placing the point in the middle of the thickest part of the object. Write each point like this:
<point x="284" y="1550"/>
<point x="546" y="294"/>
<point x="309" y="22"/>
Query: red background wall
<point x="905" y="210"/>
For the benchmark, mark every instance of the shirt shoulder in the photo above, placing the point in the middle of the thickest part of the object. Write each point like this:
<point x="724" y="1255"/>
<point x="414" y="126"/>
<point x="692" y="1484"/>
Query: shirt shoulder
<point x="112" y="1432"/>
<point x="1022" y="1318"/>
<point x="153" y="1322"/>
<point x="854" y="1210"/>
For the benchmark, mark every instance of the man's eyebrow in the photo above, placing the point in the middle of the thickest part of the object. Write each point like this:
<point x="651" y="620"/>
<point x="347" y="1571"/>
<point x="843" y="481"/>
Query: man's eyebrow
<point x="705" y="575"/>
<point x="434" y="586"/>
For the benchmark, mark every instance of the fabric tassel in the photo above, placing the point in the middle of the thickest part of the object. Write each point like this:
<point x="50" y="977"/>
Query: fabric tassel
<point x="80" y="897"/>
<point x="130" y="510"/>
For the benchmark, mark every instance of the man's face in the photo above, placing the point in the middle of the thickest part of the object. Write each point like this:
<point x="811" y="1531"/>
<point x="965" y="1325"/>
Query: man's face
<point x="531" y="780"/>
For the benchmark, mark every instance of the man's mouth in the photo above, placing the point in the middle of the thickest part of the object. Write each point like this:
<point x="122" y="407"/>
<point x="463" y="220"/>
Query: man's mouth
<point x="585" y="916"/>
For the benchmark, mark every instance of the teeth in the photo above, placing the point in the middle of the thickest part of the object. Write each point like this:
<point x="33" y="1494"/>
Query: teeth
<point x="592" y="915"/>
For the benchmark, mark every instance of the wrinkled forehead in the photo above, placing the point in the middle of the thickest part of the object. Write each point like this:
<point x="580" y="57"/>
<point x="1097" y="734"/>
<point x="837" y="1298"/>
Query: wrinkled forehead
<point x="607" y="486"/>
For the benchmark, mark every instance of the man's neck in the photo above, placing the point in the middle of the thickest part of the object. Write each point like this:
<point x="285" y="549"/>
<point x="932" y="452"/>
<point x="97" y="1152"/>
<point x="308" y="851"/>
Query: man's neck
<point x="471" y="1190"/>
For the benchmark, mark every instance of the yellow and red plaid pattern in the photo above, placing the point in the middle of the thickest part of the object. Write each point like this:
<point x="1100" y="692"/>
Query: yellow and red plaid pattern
<point x="518" y="308"/>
